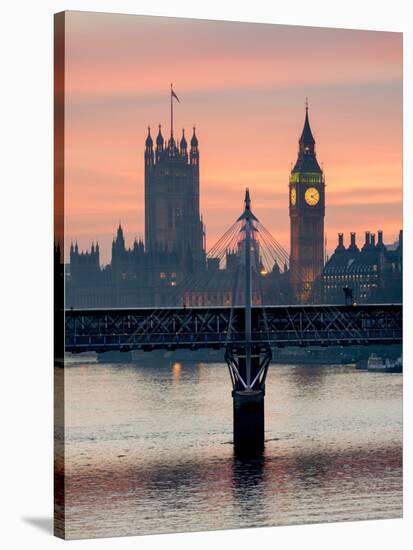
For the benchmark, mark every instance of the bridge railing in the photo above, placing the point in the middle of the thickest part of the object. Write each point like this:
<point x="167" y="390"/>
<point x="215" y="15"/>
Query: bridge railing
<point x="100" y="330"/>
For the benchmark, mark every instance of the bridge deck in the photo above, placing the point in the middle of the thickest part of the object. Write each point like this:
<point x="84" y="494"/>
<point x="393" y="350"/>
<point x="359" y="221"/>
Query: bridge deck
<point x="215" y="327"/>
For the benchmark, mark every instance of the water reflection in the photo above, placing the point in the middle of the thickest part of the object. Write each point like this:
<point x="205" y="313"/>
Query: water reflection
<point x="313" y="469"/>
<point x="148" y="449"/>
<point x="304" y="382"/>
<point x="176" y="372"/>
<point x="247" y="487"/>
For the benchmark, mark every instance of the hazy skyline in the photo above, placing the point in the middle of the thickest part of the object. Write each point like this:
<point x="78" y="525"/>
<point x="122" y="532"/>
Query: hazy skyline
<point x="244" y="86"/>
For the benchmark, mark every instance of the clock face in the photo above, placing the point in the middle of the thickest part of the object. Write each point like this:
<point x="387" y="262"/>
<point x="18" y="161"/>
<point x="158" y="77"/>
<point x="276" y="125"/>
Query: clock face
<point x="312" y="196"/>
<point x="293" y="196"/>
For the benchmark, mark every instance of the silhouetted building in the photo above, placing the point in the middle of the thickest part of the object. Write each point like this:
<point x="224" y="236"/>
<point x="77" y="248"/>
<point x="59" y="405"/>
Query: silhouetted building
<point x="172" y="217"/>
<point x="146" y="274"/>
<point x="84" y="265"/>
<point x="171" y="268"/>
<point x="307" y="206"/>
<point x="373" y="273"/>
<point x="133" y="277"/>
<point x="223" y="287"/>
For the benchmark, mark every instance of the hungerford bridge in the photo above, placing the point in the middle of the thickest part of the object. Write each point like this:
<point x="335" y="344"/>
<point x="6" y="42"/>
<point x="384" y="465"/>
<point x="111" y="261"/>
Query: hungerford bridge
<point x="246" y="333"/>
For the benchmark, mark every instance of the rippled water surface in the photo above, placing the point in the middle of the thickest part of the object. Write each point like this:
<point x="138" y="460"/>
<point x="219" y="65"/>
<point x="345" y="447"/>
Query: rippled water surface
<point x="149" y="449"/>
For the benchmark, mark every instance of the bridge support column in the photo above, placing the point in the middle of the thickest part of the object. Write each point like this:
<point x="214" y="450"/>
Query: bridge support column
<point x="248" y="401"/>
<point x="248" y="422"/>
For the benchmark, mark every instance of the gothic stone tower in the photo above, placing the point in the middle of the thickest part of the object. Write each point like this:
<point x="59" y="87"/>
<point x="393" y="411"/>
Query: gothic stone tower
<point x="172" y="217"/>
<point x="307" y="206"/>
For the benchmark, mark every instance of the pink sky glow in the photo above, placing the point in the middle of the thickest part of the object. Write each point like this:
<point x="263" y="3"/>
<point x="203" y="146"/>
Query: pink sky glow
<point x="244" y="87"/>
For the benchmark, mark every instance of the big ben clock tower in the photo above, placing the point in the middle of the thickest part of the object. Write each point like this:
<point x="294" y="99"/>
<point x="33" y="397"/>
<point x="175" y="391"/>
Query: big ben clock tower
<point x="307" y="206"/>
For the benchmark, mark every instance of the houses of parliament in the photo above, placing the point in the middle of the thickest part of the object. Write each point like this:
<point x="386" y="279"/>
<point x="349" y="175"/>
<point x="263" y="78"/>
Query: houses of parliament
<point x="172" y="266"/>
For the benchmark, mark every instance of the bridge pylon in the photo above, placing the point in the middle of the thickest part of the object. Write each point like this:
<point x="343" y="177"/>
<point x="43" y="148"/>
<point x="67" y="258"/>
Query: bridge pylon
<point x="248" y="362"/>
<point x="248" y="399"/>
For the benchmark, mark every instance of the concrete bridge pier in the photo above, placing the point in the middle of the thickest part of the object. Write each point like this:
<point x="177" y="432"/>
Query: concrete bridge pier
<point x="248" y="422"/>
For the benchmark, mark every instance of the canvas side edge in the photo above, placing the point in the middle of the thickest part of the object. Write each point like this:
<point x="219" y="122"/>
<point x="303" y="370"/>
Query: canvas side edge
<point x="59" y="528"/>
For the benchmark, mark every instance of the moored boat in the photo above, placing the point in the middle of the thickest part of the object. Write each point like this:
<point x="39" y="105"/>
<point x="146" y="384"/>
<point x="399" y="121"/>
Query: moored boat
<point x="376" y="364"/>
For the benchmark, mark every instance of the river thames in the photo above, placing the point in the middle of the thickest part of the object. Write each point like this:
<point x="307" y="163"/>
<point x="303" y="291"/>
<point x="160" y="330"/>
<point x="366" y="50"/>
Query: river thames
<point x="148" y="448"/>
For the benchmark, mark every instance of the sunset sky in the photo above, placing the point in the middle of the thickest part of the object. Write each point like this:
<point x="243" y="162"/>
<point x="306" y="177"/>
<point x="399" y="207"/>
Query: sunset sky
<point x="244" y="87"/>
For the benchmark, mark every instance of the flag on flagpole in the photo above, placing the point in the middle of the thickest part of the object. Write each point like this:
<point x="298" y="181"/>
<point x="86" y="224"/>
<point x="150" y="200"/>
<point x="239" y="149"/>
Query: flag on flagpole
<point x="175" y="96"/>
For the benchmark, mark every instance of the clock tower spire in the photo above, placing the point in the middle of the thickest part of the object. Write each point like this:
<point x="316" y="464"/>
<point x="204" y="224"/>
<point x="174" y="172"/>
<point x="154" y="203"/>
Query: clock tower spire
<point x="307" y="207"/>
